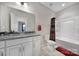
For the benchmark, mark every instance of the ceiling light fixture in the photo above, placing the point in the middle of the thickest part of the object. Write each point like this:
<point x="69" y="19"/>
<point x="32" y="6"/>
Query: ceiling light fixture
<point x="63" y="4"/>
<point x="18" y="3"/>
<point x="25" y="5"/>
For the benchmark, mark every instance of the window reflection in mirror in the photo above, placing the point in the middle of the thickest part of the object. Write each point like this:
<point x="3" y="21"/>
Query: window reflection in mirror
<point x="21" y="27"/>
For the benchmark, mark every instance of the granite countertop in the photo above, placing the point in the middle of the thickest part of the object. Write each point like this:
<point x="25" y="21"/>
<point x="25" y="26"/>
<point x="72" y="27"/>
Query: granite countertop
<point x="17" y="36"/>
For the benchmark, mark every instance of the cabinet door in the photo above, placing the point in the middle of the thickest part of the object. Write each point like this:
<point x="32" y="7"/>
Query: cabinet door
<point x="36" y="46"/>
<point x="2" y="52"/>
<point x="14" y="50"/>
<point x="27" y="49"/>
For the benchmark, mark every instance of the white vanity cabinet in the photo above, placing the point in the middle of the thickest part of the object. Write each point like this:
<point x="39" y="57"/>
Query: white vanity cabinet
<point x="14" y="51"/>
<point x="2" y="48"/>
<point x="36" y="45"/>
<point x="2" y="52"/>
<point x="27" y="49"/>
<point x="27" y="46"/>
<point x="13" y="47"/>
<point x="19" y="47"/>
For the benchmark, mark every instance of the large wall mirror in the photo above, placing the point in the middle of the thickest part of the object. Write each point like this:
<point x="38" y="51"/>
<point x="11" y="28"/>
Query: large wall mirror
<point x="16" y="20"/>
<point x="21" y="22"/>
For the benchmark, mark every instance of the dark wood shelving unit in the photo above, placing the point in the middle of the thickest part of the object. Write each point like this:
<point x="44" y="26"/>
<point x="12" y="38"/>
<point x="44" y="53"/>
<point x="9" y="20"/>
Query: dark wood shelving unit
<point x="52" y="29"/>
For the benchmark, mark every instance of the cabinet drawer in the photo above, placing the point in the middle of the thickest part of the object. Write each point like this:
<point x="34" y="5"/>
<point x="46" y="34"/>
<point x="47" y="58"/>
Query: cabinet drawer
<point x="37" y="38"/>
<point x="2" y="44"/>
<point x="18" y="41"/>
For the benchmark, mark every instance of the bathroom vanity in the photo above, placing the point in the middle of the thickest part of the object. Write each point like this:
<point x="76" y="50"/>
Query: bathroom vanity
<point x="20" y="45"/>
<point x="15" y="20"/>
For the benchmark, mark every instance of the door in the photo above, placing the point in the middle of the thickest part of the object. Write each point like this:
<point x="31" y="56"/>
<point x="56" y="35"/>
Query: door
<point x="52" y="29"/>
<point x="36" y="46"/>
<point x="2" y="52"/>
<point x="27" y="49"/>
<point x="14" y="50"/>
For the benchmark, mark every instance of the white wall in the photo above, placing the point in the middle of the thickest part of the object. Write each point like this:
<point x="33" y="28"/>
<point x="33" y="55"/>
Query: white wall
<point x="67" y="27"/>
<point x="0" y="18"/>
<point x="4" y="19"/>
<point x="43" y="16"/>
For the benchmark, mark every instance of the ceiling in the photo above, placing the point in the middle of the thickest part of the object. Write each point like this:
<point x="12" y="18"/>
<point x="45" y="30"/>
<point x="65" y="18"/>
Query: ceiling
<point x="57" y="6"/>
<point x="54" y="6"/>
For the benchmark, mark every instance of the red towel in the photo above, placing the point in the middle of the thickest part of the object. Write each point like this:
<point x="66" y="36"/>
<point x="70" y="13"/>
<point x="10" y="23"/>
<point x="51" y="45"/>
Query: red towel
<point x="66" y="52"/>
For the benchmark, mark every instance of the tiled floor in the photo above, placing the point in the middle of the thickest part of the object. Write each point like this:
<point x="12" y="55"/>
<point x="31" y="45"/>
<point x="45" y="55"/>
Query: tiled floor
<point x="47" y="51"/>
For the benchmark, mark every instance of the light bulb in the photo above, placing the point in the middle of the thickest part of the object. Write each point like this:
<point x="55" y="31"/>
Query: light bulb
<point x="18" y="3"/>
<point x="63" y="4"/>
<point x="25" y="5"/>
